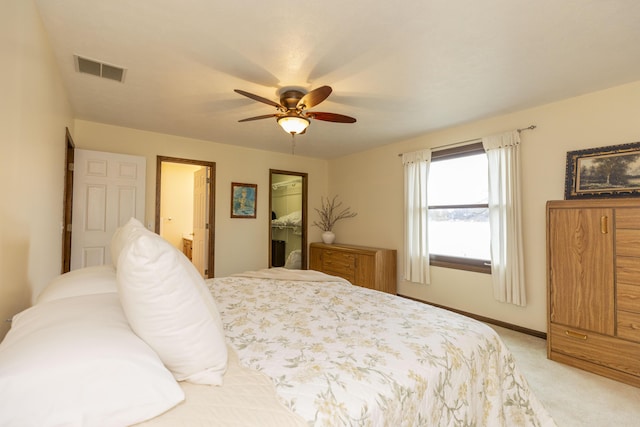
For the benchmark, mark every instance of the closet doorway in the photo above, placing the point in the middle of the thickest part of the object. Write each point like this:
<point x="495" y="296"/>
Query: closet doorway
<point x="288" y="224"/>
<point x="185" y="208"/>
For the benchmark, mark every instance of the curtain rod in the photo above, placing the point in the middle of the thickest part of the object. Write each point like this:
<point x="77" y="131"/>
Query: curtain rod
<point x="472" y="140"/>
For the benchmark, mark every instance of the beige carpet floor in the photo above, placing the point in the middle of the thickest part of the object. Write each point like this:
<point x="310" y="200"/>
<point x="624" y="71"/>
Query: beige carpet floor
<point x="573" y="397"/>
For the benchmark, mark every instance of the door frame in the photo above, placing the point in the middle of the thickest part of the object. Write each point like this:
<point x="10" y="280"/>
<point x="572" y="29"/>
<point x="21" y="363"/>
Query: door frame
<point x="211" y="219"/>
<point x="67" y="202"/>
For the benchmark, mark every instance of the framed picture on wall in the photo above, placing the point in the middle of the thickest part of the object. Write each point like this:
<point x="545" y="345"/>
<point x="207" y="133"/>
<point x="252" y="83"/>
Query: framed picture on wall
<point x="612" y="171"/>
<point x="244" y="199"/>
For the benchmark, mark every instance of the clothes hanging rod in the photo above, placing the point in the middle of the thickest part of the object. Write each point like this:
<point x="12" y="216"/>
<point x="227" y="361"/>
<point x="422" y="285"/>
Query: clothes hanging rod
<point x="442" y="147"/>
<point x="291" y="182"/>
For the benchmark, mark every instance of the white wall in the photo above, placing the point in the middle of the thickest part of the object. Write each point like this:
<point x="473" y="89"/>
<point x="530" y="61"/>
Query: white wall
<point x="372" y="184"/>
<point x="240" y="243"/>
<point x="34" y="112"/>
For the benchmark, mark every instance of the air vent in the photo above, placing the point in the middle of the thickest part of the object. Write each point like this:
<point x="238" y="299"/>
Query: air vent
<point x="100" y="69"/>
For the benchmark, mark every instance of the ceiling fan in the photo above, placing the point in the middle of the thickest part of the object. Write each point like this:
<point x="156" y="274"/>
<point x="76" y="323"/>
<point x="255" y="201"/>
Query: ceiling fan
<point x="292" y="114"/>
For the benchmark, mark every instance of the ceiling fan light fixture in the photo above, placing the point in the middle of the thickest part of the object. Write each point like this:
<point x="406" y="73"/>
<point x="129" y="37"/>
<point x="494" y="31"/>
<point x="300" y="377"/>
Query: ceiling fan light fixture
<point x="293" y="124"/>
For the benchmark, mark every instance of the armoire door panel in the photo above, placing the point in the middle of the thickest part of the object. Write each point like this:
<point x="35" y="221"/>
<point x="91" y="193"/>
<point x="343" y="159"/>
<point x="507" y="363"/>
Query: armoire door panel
<point x="581" y="269"/>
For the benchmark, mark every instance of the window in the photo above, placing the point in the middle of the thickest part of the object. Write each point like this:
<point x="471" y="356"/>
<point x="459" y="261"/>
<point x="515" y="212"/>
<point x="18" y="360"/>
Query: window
<point x="459" y="235"/>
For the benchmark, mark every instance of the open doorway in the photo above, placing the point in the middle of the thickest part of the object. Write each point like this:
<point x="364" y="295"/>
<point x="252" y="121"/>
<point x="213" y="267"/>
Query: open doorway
<point x="185" y="195"/>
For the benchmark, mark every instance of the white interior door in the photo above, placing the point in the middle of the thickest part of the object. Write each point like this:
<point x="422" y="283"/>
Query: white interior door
<point x="108" y="190"/>
<point x="200" y="215"/>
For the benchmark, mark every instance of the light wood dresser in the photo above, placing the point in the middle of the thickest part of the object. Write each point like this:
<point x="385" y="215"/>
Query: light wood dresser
<point x="373" y="268"/>
<point x="593" y="276"/>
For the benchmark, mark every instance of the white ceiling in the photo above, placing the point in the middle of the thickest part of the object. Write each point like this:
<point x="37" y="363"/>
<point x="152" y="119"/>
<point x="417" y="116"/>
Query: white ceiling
<point x="401" y="68"/>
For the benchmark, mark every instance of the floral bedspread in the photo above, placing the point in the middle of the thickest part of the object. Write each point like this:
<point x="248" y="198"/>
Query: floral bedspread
<point x="342" y="355"/>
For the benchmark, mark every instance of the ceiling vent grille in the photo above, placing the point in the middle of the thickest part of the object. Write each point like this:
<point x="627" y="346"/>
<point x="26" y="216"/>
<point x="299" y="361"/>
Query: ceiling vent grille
<point x="100" y="69"/>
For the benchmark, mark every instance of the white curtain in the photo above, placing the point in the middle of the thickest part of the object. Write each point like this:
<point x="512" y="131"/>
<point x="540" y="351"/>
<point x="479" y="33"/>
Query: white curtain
<point x="416" y="249"/>
<point x="507" y="262"/>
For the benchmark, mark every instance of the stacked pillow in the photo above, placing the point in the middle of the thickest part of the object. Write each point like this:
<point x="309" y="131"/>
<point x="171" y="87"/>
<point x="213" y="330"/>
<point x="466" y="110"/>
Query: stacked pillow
<point x="169" y="306"/>
<point x="74" y="359"/>
<point x="85" y="281"/>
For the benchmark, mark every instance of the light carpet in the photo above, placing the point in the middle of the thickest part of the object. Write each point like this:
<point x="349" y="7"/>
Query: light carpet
<point x="573" y="397"/>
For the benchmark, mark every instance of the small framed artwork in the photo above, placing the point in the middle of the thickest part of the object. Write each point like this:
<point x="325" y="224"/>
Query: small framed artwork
<point x="243" y="200"/>
<point x="605" y="172"/>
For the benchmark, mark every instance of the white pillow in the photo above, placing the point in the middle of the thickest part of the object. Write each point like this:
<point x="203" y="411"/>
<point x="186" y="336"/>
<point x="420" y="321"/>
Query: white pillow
<point x="170" y="307"/>
<point x="76" y="362"/>
<point x="123" y="235"/>
<point x="84" y="281"/>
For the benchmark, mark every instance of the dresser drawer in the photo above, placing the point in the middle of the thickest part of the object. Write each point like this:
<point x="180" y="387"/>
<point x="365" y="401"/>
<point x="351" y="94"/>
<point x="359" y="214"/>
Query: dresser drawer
<point x="340" y="261"/>
<point x="603" y="350"/>
<point x="629" y="326"/>
<point x="347" y="275"/>
<point x="628" y="297"/>
<point x="628" y="242"/>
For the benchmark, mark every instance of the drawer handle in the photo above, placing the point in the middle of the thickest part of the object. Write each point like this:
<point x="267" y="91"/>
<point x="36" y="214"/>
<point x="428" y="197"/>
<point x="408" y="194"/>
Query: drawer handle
<point x="575" y="335"/>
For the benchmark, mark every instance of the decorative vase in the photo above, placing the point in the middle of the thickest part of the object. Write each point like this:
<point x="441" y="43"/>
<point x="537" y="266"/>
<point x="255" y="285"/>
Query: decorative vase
<point x="328" y="237"/>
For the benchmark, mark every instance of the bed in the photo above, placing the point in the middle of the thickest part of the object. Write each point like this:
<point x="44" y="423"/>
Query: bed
<point x="345" y="355"/>
<point x="290" y="348"/>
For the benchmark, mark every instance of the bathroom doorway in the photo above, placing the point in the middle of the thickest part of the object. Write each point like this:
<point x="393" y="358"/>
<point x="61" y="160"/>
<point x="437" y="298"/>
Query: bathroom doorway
<point x="185" y="195"/>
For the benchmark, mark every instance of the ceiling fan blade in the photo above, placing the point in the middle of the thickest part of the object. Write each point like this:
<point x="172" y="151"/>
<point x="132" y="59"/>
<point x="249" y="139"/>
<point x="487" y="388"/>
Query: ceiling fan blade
<point x="266" y="116"/>
<point x="331" y="117"/>
<point x="258" y="98"/>
<point x="314" y="97"/>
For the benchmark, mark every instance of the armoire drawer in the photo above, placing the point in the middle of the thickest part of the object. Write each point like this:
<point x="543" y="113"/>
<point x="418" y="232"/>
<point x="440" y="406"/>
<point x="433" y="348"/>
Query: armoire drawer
<point x="629" y="326"/>
<point x="628" y="270"/>
<point x="603" y="350"/>
<point x="628" y="242"/>
<point x="628" y="297"/>
<point x="628" y="218"/>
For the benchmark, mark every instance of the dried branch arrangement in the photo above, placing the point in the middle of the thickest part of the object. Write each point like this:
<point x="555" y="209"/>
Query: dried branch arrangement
<point x="330" y="213"/>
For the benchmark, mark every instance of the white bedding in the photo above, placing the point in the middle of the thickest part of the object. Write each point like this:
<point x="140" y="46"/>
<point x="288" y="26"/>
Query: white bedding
<point x="294" y="219"/>
<point x="341" y="355"/>
<point x="246" y="399"/>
